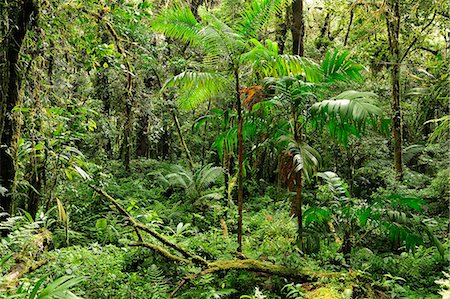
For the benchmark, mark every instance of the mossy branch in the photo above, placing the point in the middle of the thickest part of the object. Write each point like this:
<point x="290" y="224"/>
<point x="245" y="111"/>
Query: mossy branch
<point x="161" y="251"/>
<point x="139" y="226"/>
<point x="253" y="265"/>
<point x="209" y="267"/>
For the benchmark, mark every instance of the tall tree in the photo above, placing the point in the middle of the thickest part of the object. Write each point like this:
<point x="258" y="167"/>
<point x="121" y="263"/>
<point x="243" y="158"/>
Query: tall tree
<point x="393" y="26"/>
<point x="18" y="16"/>
<point x="224" y="46"/>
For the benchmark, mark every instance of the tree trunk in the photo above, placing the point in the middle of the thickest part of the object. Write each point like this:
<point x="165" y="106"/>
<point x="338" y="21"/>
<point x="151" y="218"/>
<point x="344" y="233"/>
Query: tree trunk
<point x="182" y="142"/>
<point x="240" y="159"/>
<point x="143" y="144"/>
<point x="349" y="26"/>
<point x="20" y="15"/>
<point x="298" y="212"/>
<point x="280" y="32"/>
<point x="393" y="26"/>
<point x="297" y="28"/>
<point x="297" y="204"/>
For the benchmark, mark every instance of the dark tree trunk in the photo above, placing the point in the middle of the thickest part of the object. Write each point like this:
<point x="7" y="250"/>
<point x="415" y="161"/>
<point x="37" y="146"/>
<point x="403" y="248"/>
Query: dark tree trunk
<point x="182" y="141"/>
<point x="298" y="28"/>
<point x="240" y="177"/>
<point x="298" y="202"/>
<point x="20" y="15"/>
<point x="299" y="212"/>
<point x="281" y="30"/>
<point x="349" y="27"/>
<point x="194" y="5"/>
<point x="143" y="144"/>
<point x="393" y="26"/>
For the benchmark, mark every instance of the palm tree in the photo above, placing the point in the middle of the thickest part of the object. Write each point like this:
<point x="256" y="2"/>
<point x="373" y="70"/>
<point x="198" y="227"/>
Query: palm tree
<point x="197" y="184"/>
<point x="297" y="86"/>
<point x="223" y="47"/>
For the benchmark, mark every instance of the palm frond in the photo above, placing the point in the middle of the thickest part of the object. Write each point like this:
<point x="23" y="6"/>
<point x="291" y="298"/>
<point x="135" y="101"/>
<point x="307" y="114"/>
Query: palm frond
<point x="220" y="42"/>
<point x="265" y="59"/>
<point x="198" y="87"/>
<point x="441" y="132"/>
<point x="257" y="14"/>
<point x="60" y="288"/>
<point x="305" y="158"/>
<point x="347" y="113"/>
<point x="178" y="22"/>
<point x="337" y="66"/>
<point x="207" y="176"/>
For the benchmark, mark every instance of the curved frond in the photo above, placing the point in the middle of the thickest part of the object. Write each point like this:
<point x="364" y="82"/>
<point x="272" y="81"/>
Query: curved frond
<point x="220" y="42"/>
<point x="441" y="132"/>
<point x="337" y="66"/>
<point x="207" y="176"/>
<point x="265" y="58"/>
<point x="305" y="158"/>
<point x="258" y="14"/>
<point x="198" y="87"/>
<point x="178" y="22"/>
<point x="347" y="113"/>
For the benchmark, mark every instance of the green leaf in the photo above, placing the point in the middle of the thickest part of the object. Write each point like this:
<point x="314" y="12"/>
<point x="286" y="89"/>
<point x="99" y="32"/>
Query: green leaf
<point x="101" y="224"/>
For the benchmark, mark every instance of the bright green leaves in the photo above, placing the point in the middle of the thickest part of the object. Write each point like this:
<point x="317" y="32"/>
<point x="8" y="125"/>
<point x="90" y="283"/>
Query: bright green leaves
<point x="198" y="87"/>
<point x="337" y="66"/>
<point x="441" y="132"/>
<point x="178" y="22"/>
<point x="347" y="113"/>
<point x="265" y="59"/>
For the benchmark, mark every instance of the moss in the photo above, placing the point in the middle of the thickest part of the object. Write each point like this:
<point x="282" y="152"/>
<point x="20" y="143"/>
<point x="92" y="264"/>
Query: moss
<point x="323" y="293"/>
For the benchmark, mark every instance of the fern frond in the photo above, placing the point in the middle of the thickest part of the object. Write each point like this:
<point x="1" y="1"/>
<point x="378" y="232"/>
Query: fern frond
<point x="208" y="175"/>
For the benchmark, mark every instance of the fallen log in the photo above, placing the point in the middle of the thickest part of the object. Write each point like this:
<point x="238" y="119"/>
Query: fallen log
<point x="28" y="259"/>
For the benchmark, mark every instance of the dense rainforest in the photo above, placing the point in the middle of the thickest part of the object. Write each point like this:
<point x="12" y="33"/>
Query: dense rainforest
<point x="224" y="149"/>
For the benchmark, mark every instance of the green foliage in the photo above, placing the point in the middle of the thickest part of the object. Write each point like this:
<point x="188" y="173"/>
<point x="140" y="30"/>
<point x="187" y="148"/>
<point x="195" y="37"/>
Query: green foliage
<point x="197" y="185"/>
<point x="58" y="289"/>
<point x="349" y="112"/>
<point x="104" y="269"/>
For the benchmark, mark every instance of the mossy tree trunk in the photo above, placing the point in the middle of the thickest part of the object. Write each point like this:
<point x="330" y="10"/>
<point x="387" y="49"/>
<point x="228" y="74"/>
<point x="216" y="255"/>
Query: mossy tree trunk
<point x="20" y="14"/>
<point x="393" y="26"/>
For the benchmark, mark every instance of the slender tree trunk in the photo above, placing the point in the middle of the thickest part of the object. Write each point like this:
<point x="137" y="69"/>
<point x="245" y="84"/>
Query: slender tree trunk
<point x="20" y="16"/>
<point x="240" y="159"/>
<point x="205" y="135"/>
<point x="299" y="212"/>
<point x="297" y="204"/>
<point x="349" y="26"/>
<point x="182" y="142"/>
<point x="298" y="28"/>
<point x="393" y="26"/>
<point x="281" y="30"/>
<point x="128" y="127"/>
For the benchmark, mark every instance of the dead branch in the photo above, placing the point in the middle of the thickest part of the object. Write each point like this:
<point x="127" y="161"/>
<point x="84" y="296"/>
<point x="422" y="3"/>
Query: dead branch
<point x="139" y="226"/>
